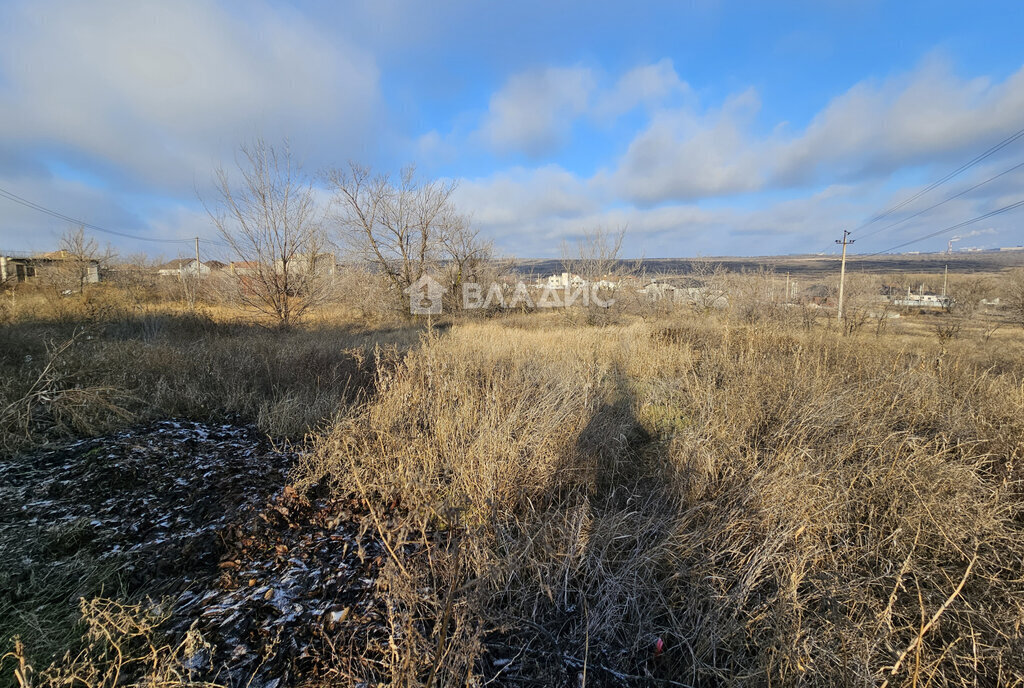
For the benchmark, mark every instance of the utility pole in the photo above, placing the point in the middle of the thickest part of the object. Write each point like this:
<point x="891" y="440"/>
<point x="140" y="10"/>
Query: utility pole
<point x="842" y="270"/>
<point x="197" y="256"/>
<point x="787" y="287"/>
<point x="945" y="277"/>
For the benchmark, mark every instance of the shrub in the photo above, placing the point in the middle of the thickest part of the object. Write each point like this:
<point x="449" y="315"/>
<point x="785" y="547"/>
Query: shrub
<point x="781" y="506"/>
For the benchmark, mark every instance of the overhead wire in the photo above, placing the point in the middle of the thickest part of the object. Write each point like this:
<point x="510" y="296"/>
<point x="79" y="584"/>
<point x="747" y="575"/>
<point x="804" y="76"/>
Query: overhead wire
<point x="944" y="201"/>
<point x="950" y="175"/>
<point x="998" y="211"/>
<point x="11" y="196"/>
<point x="939" y="182"/>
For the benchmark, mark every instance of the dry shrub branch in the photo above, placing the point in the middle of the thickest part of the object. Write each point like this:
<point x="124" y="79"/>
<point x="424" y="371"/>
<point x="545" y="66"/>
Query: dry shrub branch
<point x="775" y="506"/>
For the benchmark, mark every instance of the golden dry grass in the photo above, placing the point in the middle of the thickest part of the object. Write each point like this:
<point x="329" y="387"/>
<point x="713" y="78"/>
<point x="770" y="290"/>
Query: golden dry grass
<point x="776" y="506"/>
<point x="99" y="363"/>
<point x="775" y="502"/>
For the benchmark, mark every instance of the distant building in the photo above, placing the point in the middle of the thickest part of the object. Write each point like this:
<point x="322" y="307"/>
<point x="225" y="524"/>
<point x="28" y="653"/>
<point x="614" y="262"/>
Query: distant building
<point x="816" y="294"/>
<point x="566" y="280"/>
<point x="891" y="290"/>
<point x="189" y="267"/>
<point x="322" y="264"/>
<point x="33" y="268"/>
<point x="243" y="268"/>
<point x="704" y="297"/>
<point x="656" y="291"/>
<point x="921" y="300"/>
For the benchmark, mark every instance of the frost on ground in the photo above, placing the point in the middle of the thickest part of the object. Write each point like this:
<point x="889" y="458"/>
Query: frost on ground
<point x="297" y="596"/>
<point x="153" y="501"/>
<point x="197" y="515"/>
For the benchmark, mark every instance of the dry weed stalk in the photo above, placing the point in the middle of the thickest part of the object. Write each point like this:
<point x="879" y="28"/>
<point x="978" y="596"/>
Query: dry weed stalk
<point x="55" y="398"/>
<point x="776" y="504"/>
<point x="757" y="497"/>
<point x="121" y="647"/>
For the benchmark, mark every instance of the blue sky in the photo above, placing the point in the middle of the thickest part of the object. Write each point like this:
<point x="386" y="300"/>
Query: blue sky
<point x="704" y="128"/>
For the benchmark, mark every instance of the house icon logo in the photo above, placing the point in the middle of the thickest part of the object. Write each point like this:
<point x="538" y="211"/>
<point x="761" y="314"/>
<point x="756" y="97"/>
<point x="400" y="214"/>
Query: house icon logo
<point x="425" y="296"/>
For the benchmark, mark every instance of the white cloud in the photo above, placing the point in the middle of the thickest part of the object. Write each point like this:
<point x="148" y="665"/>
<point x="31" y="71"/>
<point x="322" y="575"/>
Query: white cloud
<point x="927" y="117"/>
<point x="529" y="212"/>
<point x="647" y="85"/>
<point x="683" y="156"/>
<point x="533" y="111"/>
<point x="30" y="230"/>
<point x="159" y="91"/>
<point x="148" y="97"/>
<point x="513" y="197"/>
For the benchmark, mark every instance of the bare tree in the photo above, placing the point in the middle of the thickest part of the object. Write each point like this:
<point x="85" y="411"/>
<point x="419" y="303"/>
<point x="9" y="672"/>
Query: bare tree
<point x="963" y="306"/>
<point x="966" y="294"/>
<point x="359" y="289"/>
<point x="596" y="259"/>
<point x="468" y="258"/>
<point x="190" y="282"/>
<point x="1015" y="296"/>
<point x="753" y="294"/>
<point x="709" y="292"/>
<point x="402" y="227"/>
<point x="597" y="254"/>
<point x="863" y="301"/>
<point x="81" y="259"/>
<point x="136" y="275"/>
<point x="271" y="222"/>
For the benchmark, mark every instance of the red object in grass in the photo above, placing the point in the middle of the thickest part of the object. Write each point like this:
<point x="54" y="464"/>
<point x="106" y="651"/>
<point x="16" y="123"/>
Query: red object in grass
<point x="659" y="646"/>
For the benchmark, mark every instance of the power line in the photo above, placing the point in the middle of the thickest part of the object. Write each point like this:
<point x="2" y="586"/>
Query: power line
<point x="967" y="165"/>
<point x="939" y="182"/>
<point x="947" y="200"/>
<point x="34" y="206"/>
<point x="998" y="211"/>
<point x="61" y="216"/>
<point x="845" y="241"/>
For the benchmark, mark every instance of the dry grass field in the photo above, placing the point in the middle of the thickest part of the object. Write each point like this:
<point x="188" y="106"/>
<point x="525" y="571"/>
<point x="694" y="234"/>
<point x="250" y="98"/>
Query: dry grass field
<point x="746" y="496"/>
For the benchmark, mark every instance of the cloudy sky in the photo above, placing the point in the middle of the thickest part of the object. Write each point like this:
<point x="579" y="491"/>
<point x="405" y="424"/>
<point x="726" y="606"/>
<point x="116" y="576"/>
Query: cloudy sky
<point x="704" y="127"/>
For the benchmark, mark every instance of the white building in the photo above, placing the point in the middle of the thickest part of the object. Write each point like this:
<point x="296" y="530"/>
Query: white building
<point x="657" y="291"/>
<point x="566" y="280"/>
<point x="921" y="301"/>
<point x="704" y="297"/>
<point x="184" y="267"/>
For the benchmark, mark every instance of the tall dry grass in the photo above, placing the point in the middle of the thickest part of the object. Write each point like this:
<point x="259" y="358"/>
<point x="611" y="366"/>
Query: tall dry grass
<point x="777" y="507"/>
<point x="764" y="498"/>
<point x="99" y="364"/>
<point x="104" y="360"/>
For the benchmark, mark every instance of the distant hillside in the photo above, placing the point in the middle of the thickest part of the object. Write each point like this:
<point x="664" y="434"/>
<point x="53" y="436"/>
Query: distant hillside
<point x="812" y="265"/>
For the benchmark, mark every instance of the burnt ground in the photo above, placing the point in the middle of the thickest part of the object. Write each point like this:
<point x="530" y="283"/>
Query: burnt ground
<point x="297" y="597"/>
<point x="284" y="588"/>
<point x="152" y="502"/>
<point x="200" y="516"/>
